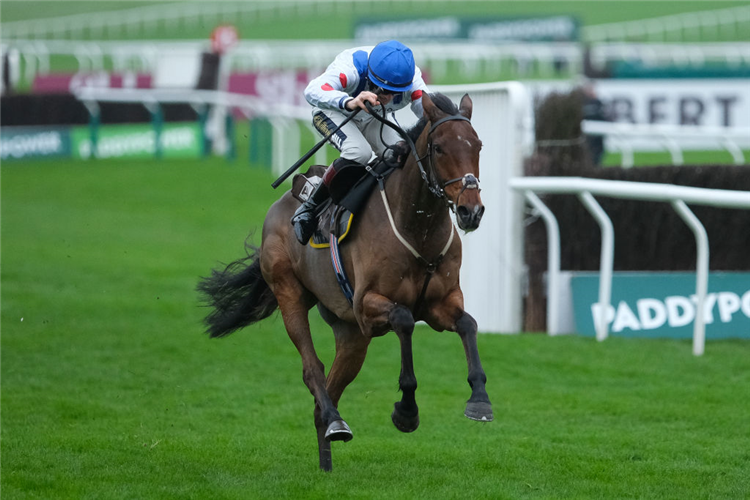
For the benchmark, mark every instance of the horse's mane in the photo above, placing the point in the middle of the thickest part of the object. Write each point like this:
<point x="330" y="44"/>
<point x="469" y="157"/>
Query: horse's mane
<point x="443" y="103"/>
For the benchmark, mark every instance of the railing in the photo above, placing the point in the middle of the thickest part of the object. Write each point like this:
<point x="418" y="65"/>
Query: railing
<point x="678" y="196"/>
<point x="474" y="59"/>
<point x="676" y="27"/>
<point x="674" y="138"/>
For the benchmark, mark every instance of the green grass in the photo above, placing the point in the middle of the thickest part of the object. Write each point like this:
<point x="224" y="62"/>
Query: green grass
<point x="111" y="390"/>
<point x="664" y="158"/>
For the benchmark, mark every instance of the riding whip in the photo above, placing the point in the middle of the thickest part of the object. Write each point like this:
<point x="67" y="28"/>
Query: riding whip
<point x="314" y="150"/>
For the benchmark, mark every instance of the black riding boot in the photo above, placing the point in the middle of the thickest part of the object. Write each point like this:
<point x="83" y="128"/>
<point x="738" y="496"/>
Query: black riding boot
<point x="305" y="219"/>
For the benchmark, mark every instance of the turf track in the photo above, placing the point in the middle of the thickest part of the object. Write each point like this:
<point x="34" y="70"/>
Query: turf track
<point x="111" y="390"/>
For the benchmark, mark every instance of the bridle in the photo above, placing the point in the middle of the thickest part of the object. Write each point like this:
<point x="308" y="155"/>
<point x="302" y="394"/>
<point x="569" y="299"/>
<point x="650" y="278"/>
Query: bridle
<point x="469" y="181"/>
<point x="429" y="175"/>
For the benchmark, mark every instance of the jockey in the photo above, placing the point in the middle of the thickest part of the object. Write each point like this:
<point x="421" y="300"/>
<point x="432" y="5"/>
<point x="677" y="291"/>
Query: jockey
<point x="384" y="75"/>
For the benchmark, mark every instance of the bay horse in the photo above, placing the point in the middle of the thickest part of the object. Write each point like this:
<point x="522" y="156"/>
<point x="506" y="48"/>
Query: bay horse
<point x="402" y="260"/>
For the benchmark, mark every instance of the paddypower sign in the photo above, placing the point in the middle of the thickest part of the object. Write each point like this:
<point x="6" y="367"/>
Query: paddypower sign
<point x="532" y="29"/>
<point x="664" y="305"/>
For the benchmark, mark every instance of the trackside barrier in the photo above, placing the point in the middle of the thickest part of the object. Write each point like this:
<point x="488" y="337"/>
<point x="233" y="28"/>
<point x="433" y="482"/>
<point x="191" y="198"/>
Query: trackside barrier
<point x="678" y="196"/>
<point x="621" y="136"/>
<point x="679" y="26"/>
<point x="36" y="57"/>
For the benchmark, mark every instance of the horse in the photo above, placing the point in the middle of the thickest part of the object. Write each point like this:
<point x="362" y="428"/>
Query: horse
<point x="403" y="262"/>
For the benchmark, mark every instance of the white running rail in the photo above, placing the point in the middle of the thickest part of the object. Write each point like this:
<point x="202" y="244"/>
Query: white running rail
<point x="677" y="196"/>
<point x="677" y="27"/>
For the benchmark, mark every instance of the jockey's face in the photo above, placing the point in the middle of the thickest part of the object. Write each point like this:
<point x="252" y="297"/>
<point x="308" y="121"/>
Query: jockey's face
<point x="385" y="96"/>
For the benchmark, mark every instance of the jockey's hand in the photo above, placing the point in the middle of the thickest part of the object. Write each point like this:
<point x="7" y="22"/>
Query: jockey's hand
<point x="395" y="156"/>
<point x="359" y="101"/>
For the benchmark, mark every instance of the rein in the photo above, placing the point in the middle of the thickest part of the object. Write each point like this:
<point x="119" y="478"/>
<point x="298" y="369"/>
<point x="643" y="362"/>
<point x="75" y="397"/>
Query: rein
<point x="429" y="175"/>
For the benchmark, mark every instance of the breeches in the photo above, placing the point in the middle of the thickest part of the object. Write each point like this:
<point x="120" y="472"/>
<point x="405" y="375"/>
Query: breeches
<point x="360" y="139"/>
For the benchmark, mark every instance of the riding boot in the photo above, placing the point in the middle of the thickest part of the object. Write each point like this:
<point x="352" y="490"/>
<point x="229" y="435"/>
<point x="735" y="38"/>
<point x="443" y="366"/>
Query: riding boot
<point x="305" y="219"/>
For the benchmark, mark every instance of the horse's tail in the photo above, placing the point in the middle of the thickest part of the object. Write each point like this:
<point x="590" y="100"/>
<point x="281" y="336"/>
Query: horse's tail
<point x="238" y="295"/>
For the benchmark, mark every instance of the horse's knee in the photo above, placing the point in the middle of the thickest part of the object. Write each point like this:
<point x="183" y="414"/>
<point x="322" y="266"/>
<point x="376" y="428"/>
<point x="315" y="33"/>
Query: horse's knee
<point x="401" y="320"/>
<point x="466" y="324"/>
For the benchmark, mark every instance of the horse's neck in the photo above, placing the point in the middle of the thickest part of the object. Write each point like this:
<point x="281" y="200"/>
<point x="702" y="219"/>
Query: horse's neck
<point x="419" y="215"/>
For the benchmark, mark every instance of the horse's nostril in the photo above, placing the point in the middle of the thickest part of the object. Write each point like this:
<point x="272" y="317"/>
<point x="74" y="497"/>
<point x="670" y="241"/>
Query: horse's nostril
<point x="463" y="212"/>
<point x="480" y="213"/>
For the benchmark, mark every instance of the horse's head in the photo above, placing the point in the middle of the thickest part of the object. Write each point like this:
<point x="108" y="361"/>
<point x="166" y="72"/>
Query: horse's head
<point x="453" y="154"/>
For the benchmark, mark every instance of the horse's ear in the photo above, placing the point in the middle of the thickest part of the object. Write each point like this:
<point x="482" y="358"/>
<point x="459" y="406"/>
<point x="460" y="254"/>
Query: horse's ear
<point x="466" y="106"/>
<point x="430" y="110"/>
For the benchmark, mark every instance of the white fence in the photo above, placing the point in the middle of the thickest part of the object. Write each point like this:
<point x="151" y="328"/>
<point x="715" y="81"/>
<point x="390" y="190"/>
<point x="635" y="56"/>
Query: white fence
<point x="677" y="27"/>
<point x="678" y="196"/>
<point x="489" y="60"/>
<point x="31" y="57"/>
<point x="627" y="137"/>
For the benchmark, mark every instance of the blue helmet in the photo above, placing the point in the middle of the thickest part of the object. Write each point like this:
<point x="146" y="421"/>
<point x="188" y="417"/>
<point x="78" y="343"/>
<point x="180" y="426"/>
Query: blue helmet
<point x="391" y="66"/>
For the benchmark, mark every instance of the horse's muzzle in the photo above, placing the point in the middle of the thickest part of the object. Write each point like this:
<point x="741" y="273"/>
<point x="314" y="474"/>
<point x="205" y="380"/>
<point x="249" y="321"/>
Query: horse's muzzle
<point x="469" y="216"/>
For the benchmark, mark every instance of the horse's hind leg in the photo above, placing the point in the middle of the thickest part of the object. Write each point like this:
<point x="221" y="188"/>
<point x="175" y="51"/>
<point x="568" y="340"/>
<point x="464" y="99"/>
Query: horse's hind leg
<point x="294" y="303"/>
<point x="449" y="315"/>
<point x="379" y="311"/>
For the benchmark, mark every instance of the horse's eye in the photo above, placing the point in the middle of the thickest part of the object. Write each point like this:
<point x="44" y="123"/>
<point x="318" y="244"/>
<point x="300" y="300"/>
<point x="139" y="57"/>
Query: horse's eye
<point x="438" y="149"/>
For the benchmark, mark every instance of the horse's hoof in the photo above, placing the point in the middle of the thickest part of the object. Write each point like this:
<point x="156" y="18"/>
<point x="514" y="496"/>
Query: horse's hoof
<point x="480" y="411"/>
<point x="338" y="431"/>
<point x="403" y="422"/>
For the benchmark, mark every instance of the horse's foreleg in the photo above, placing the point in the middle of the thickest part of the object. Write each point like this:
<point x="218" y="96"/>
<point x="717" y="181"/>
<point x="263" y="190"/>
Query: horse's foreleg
<point x="379" y="312"/>
<point x="450" y="315"/>
<point x="478" y="407"/>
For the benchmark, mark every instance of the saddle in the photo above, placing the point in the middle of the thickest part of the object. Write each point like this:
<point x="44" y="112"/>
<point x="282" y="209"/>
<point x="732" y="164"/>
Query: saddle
<point x="349" y="191"/>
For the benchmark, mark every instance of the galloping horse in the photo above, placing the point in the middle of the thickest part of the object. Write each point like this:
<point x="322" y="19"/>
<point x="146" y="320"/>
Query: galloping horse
<point x="403" y="262"/>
